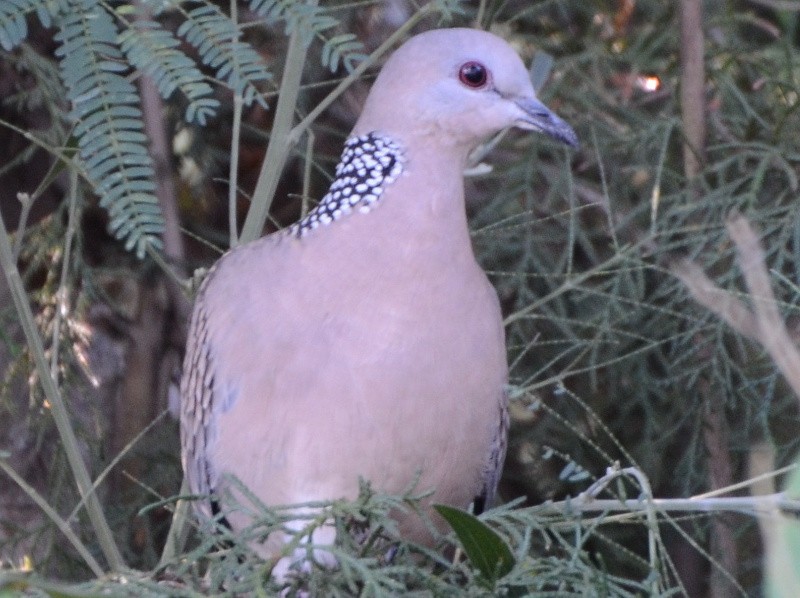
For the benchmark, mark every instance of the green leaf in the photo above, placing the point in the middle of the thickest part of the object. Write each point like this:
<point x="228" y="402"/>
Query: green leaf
<point x="485" y="549"/>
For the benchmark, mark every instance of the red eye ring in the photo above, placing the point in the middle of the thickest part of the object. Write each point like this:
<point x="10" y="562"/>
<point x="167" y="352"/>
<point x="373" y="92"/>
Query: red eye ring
<point x="473" y="74"/>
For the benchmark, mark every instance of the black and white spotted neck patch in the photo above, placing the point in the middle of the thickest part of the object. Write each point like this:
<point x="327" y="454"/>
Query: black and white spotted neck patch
<point x="369" y="163"/>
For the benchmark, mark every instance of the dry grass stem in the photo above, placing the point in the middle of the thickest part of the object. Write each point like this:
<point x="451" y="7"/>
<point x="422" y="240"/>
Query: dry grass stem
<point x="764" y="323"/>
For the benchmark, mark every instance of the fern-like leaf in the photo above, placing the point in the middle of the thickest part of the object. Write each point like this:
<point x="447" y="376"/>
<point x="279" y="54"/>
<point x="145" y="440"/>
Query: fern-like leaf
<point x="153" y="50"/>
<point x="298" y="16"/>
<point x="109" y="128"/>
<point x="217" y="40"/>
<point x="312" y="21"/>
<point x="345" y="47"/>
<point x="13" y="15"/>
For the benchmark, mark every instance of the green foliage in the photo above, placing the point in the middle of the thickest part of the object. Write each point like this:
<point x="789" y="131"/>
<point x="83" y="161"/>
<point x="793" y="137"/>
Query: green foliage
<point x="105" y="106"/>
<point x="484" y="548"/>
<point x="153" y="50"/>
<point x="345" y="48"/>
<point x="13" y="14"/>
<point x="217" y="39"/>
<point x="579" y="245"/>
<point x="307" y="18"/>
<point x="312" y="21"/>
<point x="99" y="51"/>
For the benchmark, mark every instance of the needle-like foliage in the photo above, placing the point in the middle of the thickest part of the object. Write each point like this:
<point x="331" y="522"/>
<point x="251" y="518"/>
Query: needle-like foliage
<point x="651" y="428"/>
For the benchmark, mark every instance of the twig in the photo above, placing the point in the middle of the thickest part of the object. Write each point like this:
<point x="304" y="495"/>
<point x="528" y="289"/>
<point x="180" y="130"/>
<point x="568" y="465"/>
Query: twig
<point x="693" y="77"/>
<point x="749" y="505"/>
<point x="57" y="407"/>
<point x="587" y="501"/>
<point x="118" y="457"/>
<point x="26" y="201"/>
<point x="720" y="475"/>
<point x="763" y="324"/>
<point x="279" y="144"/>
<point x="772" y="331"/>
<point x="236" y="127"/>
<point x="723" y="303"/>
<point x="154" y="128"/>
<point x="60" y="523"/>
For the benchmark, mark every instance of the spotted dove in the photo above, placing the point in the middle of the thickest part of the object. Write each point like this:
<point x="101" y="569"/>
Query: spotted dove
<point x="365" y="341"/>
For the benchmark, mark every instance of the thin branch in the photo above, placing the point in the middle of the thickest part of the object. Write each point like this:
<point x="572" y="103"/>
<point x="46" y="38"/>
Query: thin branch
<point x="748" y="505"/>
<point x="57" y="407"/>
<point x="279" y="144"/>
<point x="723" y="303"/>
<point x="26" y="201"/>
<point x="60" y="523"/>
<point x="236" y="127"/>
<point x="763" y="323"/>
<point x="692" y="78"/>
<point x="587" y="501"/>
